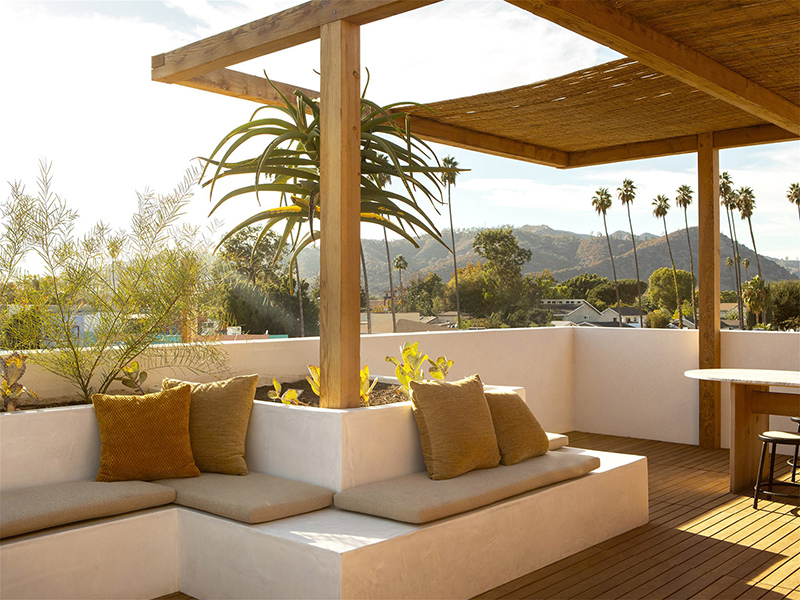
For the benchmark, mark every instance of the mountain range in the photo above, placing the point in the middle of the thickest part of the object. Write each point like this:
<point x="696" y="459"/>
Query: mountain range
<point x="564" y="253"/>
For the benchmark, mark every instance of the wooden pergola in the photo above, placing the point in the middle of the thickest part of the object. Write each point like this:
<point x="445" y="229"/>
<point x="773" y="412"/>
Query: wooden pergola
<point x="699" y="76"/>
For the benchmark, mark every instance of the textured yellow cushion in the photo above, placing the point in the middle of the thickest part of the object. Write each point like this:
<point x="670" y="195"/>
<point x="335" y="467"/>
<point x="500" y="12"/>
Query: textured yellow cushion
<point x="145" y="437"/>
<point x="455" y="427"/>
<point x="218" y="422"/>
<point x="519" y="435"/>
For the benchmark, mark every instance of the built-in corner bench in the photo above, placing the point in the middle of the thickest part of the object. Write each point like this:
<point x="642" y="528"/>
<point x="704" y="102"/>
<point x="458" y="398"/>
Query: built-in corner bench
<point x="234" y="537"/>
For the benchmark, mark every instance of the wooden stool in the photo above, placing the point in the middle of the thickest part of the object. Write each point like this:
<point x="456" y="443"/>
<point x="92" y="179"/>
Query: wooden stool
<point x="774" y="438"/>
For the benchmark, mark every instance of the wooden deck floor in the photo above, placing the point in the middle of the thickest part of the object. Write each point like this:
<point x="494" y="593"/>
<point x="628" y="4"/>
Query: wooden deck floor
<point x="701" y="542"/>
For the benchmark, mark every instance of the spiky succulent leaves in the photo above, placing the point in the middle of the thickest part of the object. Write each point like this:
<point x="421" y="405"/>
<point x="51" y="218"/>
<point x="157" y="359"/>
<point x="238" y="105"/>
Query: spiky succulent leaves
<point x="289" y="165"/>
<point x="314" y="379"/>
<point x="440" y="367"/>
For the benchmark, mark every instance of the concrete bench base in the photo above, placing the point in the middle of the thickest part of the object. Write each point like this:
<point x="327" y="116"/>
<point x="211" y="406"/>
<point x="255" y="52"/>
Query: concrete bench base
<point x="337" y="554"/>
<point x="328" y="553"/>
<point x="129" y="556"/>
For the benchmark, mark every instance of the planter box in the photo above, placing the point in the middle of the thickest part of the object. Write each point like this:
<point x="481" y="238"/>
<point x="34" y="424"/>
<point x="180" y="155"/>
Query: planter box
<point x="337" y="449"/>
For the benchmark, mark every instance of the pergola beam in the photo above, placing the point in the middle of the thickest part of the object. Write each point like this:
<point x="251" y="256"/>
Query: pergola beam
<point x="460" y="137"/>
<point x="729" y="138"/>
<point x="635" y="151"/>
<point x="604" y="24"/>
<point x="288" y="28"/>
<point x="247" y="87"/>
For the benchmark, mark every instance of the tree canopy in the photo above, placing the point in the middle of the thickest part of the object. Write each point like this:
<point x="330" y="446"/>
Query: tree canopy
<point x="662" y="287"/>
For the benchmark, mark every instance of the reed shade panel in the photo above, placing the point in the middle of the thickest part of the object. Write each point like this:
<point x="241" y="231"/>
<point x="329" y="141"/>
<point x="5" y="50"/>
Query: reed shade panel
<point x="759" y="40"/>
<point x="615" y="103"/>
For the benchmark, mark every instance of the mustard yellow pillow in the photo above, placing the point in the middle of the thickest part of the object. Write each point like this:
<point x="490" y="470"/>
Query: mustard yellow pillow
<point x="218" y="422"/>
<point x="145" y="437"/>
<point x="519" y="435"/>
<point x="455" y="427"/>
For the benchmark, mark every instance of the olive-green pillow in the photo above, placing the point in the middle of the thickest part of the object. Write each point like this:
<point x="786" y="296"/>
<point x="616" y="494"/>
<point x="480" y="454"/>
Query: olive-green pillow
<point x="218" y="422"/>
<point x="455" y="427"/>
<point x="145" y="437"/>
<point x="519" y="435"/>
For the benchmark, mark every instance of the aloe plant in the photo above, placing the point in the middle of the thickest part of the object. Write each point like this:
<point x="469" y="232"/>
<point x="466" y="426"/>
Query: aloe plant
<point x="288" y="397"/>
<point x="440" y="367"/>
<point x="409" y="367"/>
<point x="132" y="377"/>
<point x="289" y="164"/>
<point x="12" y="368"/>
<point x="364" y="386"/>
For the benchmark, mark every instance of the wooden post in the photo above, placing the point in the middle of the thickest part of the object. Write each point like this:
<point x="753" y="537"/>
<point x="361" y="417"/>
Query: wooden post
<point x="340" y="209"/>
<point x="709" y="286"/>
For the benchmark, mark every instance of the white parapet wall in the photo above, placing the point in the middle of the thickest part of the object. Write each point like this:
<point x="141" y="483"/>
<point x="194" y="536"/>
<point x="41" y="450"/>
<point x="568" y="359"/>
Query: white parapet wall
<point x="630" y="382"/>
<point x="626" y="382"/>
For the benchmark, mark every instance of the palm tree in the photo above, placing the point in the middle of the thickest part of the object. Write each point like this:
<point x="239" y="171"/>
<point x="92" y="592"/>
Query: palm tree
<point x="300" y="299"/>
<point x="449" y="178"/>
<point x="401" y="264"/>
<point x="661" y="204"/>
<point x="382" y="180"/>
<point x="684" y="199"/>
<point x="602" y="202"/>
<point x="391" y="283"/>
<point x="729" y="264"/>
<point x="754" y="295"/>
<point x="727" y="198"/>
<point x="794" y="196"/>
<point x="626" y="194"/>
<point x="366" y="289"/>
<point x="747" y="202"/>
<point x="745" y="266"/>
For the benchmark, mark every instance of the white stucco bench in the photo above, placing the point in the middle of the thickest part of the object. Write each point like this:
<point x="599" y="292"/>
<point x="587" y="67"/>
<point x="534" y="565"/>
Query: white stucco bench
<point x="327" y="553"/>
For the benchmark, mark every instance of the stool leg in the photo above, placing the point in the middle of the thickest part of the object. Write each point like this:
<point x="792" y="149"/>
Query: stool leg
<point x="773" y="450"/>
<point x="758" y="475"/>
<point x="794" y="462"/>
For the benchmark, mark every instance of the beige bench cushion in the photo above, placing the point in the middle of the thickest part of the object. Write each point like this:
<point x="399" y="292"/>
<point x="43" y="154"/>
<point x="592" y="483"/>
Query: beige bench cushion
<point x="35" y="508"/>
<point x="251" y="498"/>
<point x="557" y="440"/>
<point x="416" y="498"/>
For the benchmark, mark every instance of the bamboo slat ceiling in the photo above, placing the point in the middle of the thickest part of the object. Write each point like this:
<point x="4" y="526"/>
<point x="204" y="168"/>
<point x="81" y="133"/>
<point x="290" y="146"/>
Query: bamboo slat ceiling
<point x="620" y="102"/>
<point x="693" y="66"/>
<point x="758" y="39"/>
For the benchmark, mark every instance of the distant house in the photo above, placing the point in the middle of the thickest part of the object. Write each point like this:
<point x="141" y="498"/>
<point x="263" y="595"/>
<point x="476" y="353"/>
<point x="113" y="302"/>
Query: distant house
<point x="575" y="310"/>
<point x="607" y="324"/>
<point x="630" y="315"/>
<point x="408" y="322"/>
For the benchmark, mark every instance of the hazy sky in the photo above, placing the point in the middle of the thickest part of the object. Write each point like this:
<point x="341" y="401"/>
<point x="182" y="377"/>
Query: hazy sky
<point x="77" y="91"/>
